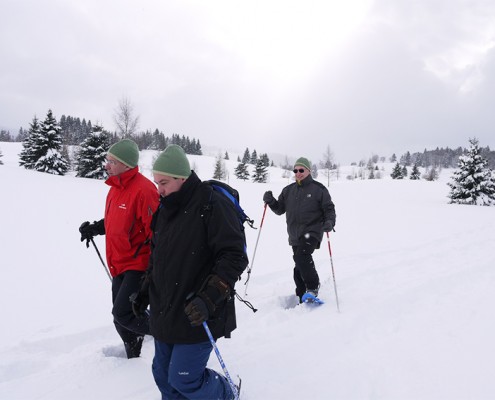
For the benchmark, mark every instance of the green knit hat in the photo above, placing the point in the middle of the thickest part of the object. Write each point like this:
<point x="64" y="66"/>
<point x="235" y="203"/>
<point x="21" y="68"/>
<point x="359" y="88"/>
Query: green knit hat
<point x="172" y="162"/>
<point x="126" y="151"/>
<point x="304" y="162"/>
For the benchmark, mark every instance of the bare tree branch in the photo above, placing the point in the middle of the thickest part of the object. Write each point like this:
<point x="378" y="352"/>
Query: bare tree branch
<point x="124" y="119"/>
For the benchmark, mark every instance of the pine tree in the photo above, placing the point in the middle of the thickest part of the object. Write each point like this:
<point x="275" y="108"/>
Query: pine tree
<point x="27" y="158"/>
<point x="91" y="158"/>
<point x="246" y="157"/>
<point x="404" y="171"/>
<point x="431" y="174"/>
<point x="266" y="160"/>
<point x="371" y="174"/>
<point x="254" y="158"/>
<point x="241" y="171"/>
<point x="219" y="172"/>
<point x="47" y="146"/>
<point x="226" y="156"/>
<point x="22" y="135"/>
<point x="314" y="171"/>
<point x="397" y="172"/>
<point x="473" y="182"/>
<point x="1" y="155"/>
<point x="260" y="173"/>
<point x="415" y="174"/>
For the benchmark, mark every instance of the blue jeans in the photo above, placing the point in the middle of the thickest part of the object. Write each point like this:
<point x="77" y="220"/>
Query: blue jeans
<point x="180" y="372"/>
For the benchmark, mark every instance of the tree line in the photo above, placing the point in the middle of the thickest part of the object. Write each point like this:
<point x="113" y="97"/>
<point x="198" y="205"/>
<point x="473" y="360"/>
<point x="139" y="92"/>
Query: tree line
<point x="441" y="157"/>
<point x="45" y="145"/>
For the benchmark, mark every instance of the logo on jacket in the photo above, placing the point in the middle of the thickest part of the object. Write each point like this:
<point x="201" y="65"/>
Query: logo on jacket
<point x="123" y="207"/>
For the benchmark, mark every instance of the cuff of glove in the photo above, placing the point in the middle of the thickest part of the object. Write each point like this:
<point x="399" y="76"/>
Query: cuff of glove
<point x="215" y="291"/>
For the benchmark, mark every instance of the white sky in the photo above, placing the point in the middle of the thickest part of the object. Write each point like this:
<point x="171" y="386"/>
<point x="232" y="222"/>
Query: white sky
<point x="364" y="77"/>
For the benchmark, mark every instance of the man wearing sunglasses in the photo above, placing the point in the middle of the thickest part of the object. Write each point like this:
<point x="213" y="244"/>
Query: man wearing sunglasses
<point x="309" y="211"/>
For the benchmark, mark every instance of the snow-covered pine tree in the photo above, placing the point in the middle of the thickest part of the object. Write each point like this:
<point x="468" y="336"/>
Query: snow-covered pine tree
<point x="415" y="174"/>
<point x="397" y="172"/>
<point x="27" y="157"/>
<point x="260" y="173"/>
<point x="1" y="155"/>
<point x="91" y="157"/>
<point x="47" y="146"/>
<point x="241" y="171"/>
<point x="473" y="182"/>
<point x="219" y="172"/>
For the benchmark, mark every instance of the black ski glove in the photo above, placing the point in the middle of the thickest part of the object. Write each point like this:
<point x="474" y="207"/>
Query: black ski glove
<point x="202" y="306"/>
<point x="140" y="300"/>
<point x="197" y="311"/>
<point x="327" y="226"/>
<point x="268" y="197"/>
<point x="89" y="231"/>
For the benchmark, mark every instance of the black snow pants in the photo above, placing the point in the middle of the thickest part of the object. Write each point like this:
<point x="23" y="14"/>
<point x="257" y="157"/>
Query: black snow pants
<point x="128" y="326"/>
<point x="305" y="274"/>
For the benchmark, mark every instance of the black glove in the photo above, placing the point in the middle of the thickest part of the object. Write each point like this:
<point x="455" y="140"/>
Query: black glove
<point x="139" y="302"/>
<point x="202" y="306"/>
<point x="197" y="311"/>
<point x="327" y="226"/>
<point x="141" y="299"/>
<point x="268" y="197"/>
<point x="89" y="231"/>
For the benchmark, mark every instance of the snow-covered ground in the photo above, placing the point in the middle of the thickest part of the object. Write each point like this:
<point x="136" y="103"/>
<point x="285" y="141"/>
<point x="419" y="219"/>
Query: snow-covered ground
<point x="415" y="279"/>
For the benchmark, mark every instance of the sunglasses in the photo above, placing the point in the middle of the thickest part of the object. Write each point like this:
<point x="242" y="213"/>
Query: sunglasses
<point x="300" y="170"/>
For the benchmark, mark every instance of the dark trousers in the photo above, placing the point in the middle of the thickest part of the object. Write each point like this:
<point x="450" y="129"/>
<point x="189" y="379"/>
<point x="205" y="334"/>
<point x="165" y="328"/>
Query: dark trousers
<point x="128" y="326"/>
<point x="305" y="274"/>
<point x="180" y="372"/>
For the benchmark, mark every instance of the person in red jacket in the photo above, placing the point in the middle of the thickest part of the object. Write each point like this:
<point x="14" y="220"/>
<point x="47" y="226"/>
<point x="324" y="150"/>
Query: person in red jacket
<point x="131" y="202"/>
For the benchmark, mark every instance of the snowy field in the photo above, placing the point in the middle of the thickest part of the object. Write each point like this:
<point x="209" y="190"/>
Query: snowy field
<point x="415" y="279"/>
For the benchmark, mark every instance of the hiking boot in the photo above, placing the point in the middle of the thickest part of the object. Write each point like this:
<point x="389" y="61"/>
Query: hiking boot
<point x="133" y="348"/>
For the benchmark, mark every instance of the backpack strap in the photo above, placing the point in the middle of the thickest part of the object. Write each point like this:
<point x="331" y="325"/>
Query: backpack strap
<point x="242" y="215"/>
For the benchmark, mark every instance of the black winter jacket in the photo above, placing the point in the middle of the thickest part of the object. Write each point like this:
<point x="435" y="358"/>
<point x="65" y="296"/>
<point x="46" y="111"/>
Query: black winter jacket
<point x="196" y="233"/>
<point x="307" y="206"/>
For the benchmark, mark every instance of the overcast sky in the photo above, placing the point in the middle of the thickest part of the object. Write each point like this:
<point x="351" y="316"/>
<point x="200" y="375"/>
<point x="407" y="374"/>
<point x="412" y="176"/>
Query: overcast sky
<point x="292" y="77"/>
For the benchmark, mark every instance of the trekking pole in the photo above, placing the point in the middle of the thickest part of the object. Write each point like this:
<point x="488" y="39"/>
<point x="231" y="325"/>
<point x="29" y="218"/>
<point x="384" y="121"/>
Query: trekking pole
<point x="333" y="272"/>
<point x="101" y="259"/>
<point x="220" y="359"/>
<point x="254" y="252"/>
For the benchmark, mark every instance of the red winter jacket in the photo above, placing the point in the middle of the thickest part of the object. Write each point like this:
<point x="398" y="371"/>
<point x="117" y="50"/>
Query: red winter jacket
<point x="130" y="205"/>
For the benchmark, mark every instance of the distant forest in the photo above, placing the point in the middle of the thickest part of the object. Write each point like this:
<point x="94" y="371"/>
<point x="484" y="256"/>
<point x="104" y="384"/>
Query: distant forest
<point x="74" y="130"/>
<point x="441" y="158"/>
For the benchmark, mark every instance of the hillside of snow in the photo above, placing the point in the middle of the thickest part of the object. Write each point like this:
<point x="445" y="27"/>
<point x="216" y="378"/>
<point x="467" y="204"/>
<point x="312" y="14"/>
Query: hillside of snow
<point x="415" y="281"/>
